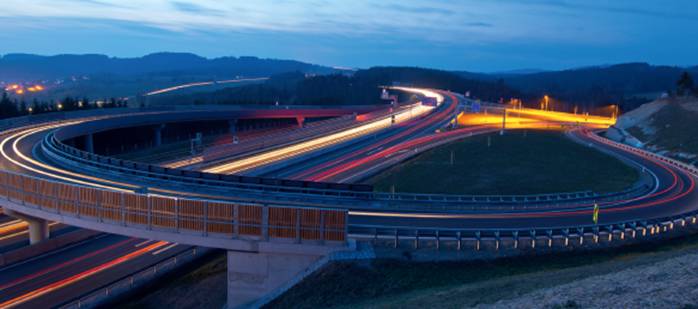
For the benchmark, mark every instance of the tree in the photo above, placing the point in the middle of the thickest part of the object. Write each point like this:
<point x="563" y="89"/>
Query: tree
<point x="685" y="85"/>
<point x="7" y="107"/>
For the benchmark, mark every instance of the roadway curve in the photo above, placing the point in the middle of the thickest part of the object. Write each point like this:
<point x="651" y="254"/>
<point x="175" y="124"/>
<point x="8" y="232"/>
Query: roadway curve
<point x="675" y="192"/>
<point x="673" y="196"/>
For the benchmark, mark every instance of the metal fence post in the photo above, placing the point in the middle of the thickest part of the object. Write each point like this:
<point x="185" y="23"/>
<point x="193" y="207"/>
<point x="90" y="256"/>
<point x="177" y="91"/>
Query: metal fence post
<point x="77" y="204"/>
<point x="56" y="199"/>
<point x="122" y="202"/>
<point x="176" y="201"/>
<point x="265" y="222"/>
<point x="346" y="225"/>
<point x="322" y="226"/>
<point x="150" y="212"/>
<point x="298" y="226"/>
<point x="236" y="221"/>
<point x="205" y="231"/>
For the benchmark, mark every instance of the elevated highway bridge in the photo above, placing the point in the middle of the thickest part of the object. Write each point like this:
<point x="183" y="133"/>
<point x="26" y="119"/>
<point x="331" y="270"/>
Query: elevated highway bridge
<point x="276" y="228"/>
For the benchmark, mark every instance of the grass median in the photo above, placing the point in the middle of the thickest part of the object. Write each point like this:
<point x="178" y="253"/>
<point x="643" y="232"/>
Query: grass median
<point x="519" y="162"/>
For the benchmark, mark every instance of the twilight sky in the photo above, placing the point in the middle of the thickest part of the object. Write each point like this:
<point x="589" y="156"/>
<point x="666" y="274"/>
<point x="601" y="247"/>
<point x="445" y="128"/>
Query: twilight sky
<point x="475" y="35"/>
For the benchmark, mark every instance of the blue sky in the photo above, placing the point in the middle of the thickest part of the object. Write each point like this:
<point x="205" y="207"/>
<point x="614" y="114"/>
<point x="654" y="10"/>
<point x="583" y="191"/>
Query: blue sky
<point x="482" y="35"/>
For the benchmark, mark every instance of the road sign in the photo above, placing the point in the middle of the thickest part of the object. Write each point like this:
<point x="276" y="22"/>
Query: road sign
<point x="385" y="95"/>
<point x="595" y="216"/>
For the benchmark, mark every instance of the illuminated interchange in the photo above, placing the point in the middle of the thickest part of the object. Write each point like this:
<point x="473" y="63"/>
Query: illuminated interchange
<point x="313" y="209"/>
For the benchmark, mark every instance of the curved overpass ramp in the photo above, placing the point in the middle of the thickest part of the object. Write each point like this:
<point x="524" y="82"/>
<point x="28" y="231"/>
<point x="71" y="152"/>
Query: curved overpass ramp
<point x="295" y="221"/>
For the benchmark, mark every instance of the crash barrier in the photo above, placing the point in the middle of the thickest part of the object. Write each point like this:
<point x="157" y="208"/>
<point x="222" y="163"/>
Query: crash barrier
<point x="362" y="191"/>
<point x="437" y="238"/>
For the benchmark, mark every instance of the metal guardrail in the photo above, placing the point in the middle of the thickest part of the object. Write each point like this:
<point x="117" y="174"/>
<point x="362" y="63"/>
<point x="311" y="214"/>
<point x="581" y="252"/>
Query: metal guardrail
<point x="561" y="236"/>
<point x="246" y="221"/>
<point x="550" y="236"/>
<point x="52" y="145"/>
<point x="688" y="167"/>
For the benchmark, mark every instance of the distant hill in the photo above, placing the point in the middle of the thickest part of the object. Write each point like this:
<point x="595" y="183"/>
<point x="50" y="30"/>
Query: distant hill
<point x="627" y="84"/>
<point x="99" y="76"/>
<point x="339" y="89"/>
<point x="26" y="67"/>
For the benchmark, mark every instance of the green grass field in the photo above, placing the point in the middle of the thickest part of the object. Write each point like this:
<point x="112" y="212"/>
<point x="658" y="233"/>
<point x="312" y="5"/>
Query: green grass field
<point x="518" y="162"/>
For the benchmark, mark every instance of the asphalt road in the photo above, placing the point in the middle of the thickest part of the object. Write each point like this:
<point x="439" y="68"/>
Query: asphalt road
<point x="675" y="194"/>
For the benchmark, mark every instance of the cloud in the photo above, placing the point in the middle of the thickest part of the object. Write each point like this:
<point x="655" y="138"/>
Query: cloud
<point x="442" y="21"/>
<point x="417" y="9"/>
<point x="189" y="7"/>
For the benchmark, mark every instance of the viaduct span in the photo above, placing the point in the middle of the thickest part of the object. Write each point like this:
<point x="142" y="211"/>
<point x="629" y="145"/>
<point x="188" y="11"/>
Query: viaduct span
<point x="276" y="229"/>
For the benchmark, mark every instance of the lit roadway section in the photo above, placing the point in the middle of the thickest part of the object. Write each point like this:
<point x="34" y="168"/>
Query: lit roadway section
<point x="199" y="84"/>
<point x="675" y="195"/>
<point x="412" y="112"/>
<point x="526" y="118"/>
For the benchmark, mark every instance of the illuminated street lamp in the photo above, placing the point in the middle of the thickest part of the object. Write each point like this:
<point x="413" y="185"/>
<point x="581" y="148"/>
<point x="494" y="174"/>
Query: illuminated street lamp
<point x="546" y="99"/>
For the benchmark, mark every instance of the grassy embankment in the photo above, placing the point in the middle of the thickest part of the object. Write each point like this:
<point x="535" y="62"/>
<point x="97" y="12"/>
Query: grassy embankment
<point x="517" y="163"/>
<point x="675" y="129"/>
<point x="397" y="284"/>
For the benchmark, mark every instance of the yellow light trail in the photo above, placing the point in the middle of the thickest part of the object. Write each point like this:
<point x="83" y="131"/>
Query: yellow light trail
<point x="564" y="117"/>
<point x="533" y="118"/>
<point x="24" y="224"/>
<point x="80" y="276"/>
<point x="22" y="134"/>
<point x="320" y="142"/>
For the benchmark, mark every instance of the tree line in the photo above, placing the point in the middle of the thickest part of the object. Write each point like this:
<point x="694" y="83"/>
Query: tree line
<point x="360" y="88"/>
<point x="685" y="86"/>
<point x="12" y="107"/>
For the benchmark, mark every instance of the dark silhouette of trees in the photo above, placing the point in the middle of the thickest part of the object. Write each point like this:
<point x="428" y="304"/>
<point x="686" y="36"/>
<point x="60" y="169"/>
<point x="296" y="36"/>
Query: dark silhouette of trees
<point x="8" y="108"/>
<point x="685" y="85"/>
<point x="339" y="89"/>
<point x="12" y="107"/>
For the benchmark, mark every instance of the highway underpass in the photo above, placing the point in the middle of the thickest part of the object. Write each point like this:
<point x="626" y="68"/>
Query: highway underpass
<point x="276" y="229"/>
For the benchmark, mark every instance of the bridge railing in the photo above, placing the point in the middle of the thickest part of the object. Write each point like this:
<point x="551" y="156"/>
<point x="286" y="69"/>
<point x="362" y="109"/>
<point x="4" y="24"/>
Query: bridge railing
<point x="676" y="163"/>
<point x="247" y="221"/>
<point x="350" y="191"/>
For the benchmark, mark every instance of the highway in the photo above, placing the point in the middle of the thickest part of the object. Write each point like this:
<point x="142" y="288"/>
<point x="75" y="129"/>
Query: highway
<point x="59" y="276"/>
<point x="339" y="158"/>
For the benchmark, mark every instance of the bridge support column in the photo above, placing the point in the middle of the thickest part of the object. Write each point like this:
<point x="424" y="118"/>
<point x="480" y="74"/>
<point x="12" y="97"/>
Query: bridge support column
<point x="38" y="228"/>
<point x="89" y="143"/>
<point x="233" y="126"/>
<point x="300" y="120"/>
<point x="256" y="278"/>
<point x="158" y="135"/>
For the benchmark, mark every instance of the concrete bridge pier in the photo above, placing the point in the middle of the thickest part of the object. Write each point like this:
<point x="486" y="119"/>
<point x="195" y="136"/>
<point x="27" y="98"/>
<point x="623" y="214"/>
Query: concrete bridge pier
<point x="255" y="278"/>
<point x="233" y="126"/>
<point x="158" y="135"/>
<point x="38" y="228"/>
<point x="89" y="143"/>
